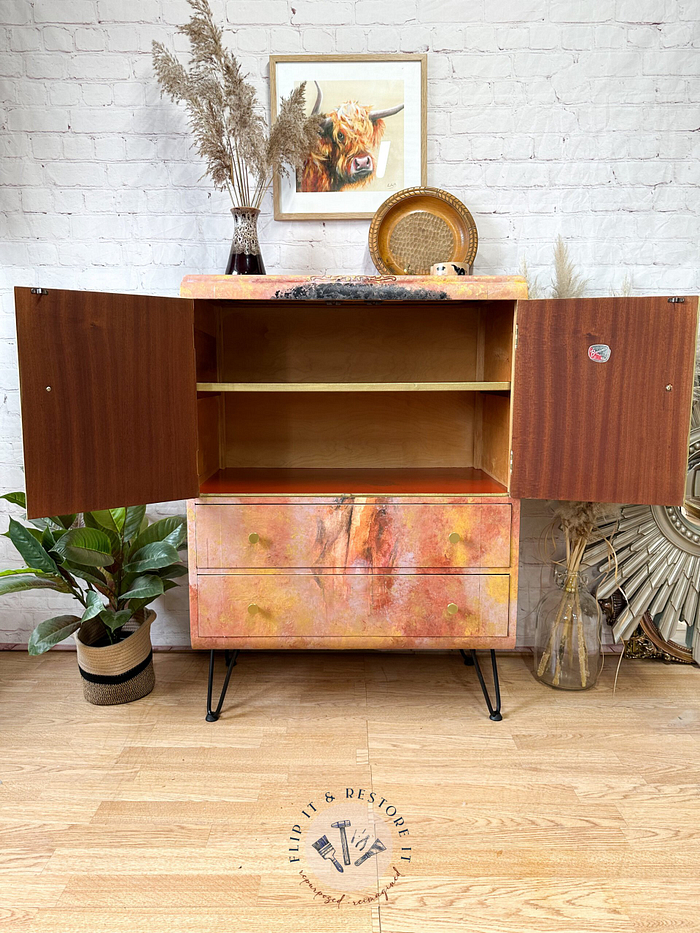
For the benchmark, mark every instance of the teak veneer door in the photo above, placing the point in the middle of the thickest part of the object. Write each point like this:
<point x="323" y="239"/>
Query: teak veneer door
<point x="108" y="393"/>
<point x="612" y="430"/>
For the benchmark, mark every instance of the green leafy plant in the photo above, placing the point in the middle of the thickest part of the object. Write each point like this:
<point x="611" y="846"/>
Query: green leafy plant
<point x="113" y="562"/>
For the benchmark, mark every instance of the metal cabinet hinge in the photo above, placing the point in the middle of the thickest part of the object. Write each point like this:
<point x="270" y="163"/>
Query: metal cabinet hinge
<point x="39" y="291"/>
<point x="511" y="461"/>
<point x="516" y="336"/>
<point x="676" y="301"/>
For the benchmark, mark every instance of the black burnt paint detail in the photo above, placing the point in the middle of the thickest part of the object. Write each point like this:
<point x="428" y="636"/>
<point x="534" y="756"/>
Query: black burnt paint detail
<point x="359" y="291"/>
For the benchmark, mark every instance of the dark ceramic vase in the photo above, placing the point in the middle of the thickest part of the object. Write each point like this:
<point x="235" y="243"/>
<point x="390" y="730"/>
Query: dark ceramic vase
<point x="245" y="257"/>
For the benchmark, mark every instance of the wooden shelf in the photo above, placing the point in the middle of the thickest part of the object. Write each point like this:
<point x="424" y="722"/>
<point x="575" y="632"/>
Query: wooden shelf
<point x="288" y="482"/>
<point x="353" y="386"/>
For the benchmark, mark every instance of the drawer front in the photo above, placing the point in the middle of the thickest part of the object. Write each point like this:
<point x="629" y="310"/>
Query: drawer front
<point x="353" y="534"/>
<point x="352" y="606"/>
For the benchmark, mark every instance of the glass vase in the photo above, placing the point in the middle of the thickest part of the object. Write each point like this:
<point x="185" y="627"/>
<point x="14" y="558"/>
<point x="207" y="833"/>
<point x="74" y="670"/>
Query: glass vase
<point x="568" y="651"/>
<point x="245" y="257"/>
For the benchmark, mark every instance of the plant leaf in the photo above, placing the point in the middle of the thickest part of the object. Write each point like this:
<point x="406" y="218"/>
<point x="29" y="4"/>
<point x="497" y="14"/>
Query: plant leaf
<point x="90" y="575"/>
<point x="14" y="570"/>
<point x="94" y="606"/>
<point x="152" y="557"/>
<point x="175" y="570"/>
<point x="51" y="631"/>
<point x="115" y="543"/>
<point x="144" y="587"/>
<point x="31" y="550"/>
<point x="63" y="521"/>
<point x="111" y="519"/>
<point x="87" y="546"/>
<point x="161" y="530"/>
<point x="114" y="620"/>
<point x="16" y="498"/>
<point x="20" y="582"/>
<point x="47" y="539"/>
<point x="135" y="514"/>
<point x="177" y="538"/>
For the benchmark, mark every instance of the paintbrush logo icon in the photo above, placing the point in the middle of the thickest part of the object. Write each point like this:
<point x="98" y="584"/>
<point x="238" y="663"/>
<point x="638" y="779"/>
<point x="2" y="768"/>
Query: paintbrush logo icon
<point x="326" y="850"/>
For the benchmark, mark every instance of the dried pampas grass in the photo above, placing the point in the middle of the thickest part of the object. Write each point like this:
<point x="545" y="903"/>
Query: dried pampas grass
<point x="582" y="524"/>
<point x="224" y="115"/>
<point x="567" y="283"/>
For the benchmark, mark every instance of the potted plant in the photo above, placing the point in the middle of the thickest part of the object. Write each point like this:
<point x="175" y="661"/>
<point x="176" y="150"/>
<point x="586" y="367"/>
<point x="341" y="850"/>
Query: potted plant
<point x="114" y="563"/>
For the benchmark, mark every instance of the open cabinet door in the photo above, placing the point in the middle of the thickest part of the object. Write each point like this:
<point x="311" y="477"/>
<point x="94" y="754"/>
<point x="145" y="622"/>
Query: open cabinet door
<point x="108" y="396"/>
<point x="602" y="393"/>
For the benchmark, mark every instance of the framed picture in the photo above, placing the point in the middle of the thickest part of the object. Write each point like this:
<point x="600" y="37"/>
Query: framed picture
<point x="372" y="141"/>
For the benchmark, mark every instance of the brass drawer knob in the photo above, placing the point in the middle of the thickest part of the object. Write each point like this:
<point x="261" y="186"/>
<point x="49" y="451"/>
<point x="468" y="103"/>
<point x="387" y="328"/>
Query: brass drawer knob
<point x="252" y="609"/>
<point x="452" y="608"/>
<point x="455" y="537"/>
<point x="253" y="537"/>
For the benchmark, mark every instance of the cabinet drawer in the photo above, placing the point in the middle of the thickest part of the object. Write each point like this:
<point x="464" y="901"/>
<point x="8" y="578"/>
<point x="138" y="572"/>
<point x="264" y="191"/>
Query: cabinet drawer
<point x="353" y="534"/>
<point x="306" y="608"/>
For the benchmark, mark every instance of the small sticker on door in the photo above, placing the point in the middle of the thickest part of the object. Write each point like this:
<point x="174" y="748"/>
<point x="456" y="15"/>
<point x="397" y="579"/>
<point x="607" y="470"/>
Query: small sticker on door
<point x="599" y="353"/>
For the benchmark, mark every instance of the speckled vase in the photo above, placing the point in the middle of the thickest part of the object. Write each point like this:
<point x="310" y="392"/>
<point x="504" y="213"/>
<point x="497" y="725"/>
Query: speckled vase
<point x="245" y="257"/>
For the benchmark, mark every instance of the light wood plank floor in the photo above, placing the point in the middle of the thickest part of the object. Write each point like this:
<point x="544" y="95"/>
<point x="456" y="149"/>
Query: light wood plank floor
<point x="579" y="812"/>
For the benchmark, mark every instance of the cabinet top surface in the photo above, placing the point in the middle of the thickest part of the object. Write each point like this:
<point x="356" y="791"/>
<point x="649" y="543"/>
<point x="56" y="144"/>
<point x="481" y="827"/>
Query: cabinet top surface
<point x="355" y="287"/>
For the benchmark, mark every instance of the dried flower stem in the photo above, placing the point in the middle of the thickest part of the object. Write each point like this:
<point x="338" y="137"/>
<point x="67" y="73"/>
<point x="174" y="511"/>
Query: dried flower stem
<point x="224" y="115"/>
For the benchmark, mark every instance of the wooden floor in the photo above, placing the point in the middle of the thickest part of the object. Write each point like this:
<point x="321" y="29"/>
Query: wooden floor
<point x="579" y="812"/>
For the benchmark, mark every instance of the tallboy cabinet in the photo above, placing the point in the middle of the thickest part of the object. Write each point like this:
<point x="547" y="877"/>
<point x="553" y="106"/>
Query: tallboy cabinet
<point x="353" y="450"/>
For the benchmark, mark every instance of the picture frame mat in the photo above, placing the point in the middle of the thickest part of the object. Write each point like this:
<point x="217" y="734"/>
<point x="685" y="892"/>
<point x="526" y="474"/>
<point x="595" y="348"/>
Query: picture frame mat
<point x="415" y="129"/>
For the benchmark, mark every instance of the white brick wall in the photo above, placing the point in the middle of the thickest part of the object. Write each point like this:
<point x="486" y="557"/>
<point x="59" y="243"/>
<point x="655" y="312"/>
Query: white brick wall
<point x="545" y="117"/>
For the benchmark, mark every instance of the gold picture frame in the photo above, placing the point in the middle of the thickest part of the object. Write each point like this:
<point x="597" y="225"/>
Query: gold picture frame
<point x="351" y="180"/>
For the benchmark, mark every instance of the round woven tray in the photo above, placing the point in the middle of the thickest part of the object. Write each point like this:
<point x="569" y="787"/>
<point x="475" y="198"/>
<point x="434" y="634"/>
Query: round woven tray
<point x="418" y="227"/>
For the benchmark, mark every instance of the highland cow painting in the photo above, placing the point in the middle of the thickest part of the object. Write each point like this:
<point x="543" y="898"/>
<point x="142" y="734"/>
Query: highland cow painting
<point x="371" y="138"/>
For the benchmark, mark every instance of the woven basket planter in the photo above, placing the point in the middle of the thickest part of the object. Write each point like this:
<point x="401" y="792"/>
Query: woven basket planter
<point x="116" y="673"/>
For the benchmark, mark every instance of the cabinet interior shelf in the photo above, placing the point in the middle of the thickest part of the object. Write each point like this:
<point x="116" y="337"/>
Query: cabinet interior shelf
<point x="340" y="481"/>
<point x="353" y="386"/>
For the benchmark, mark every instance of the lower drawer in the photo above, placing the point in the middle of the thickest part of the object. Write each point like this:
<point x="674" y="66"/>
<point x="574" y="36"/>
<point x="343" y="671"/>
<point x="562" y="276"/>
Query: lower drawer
<point x="303" y="609"/>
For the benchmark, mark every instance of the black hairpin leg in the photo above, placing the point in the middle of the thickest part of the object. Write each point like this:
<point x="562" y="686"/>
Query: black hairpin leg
<point x="230" y="658"/>
<point x="472" y="659"/>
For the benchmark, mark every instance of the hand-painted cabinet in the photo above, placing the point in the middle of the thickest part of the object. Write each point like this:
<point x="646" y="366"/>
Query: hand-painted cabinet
<point x="354" y="450"/>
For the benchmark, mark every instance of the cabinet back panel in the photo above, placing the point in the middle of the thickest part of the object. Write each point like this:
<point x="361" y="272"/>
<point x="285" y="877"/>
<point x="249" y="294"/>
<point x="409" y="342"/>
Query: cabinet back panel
<point x="416" y="342"/>
<point x="367" y="429"/>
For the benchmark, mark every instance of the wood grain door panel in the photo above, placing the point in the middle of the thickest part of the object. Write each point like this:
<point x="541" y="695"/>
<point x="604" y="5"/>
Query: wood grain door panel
<point x="362" y="534"/>
<point x="108" y="399"/>
<point x="603" y="431"/>
<point x="301" y="609"/>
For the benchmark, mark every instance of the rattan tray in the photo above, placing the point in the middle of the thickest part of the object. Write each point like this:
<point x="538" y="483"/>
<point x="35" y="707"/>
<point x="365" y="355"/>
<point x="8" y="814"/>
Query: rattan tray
<point x="417" y="227"/>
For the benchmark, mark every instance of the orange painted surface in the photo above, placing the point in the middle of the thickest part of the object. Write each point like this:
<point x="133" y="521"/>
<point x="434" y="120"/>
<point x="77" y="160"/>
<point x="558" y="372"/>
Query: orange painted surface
<point x="368" y="563"/>
<point x="456" y="288"/>
<point x="353" y="610"/>
<point x="356" y="534"/>
<point x="375" y="604"/>
<point x="304" y="481"/>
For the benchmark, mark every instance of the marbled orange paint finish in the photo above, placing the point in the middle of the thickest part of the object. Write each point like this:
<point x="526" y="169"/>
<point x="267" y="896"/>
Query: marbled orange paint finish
<point x="353" y="572"/>
<point x="355" y="534"/>
<point x="456" y="288"/>
<point x="352" y="610"/>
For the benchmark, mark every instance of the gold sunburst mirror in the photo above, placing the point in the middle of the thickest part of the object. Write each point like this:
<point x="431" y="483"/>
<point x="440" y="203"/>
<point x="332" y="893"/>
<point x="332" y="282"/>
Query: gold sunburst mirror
<point x="657" y="585"/>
